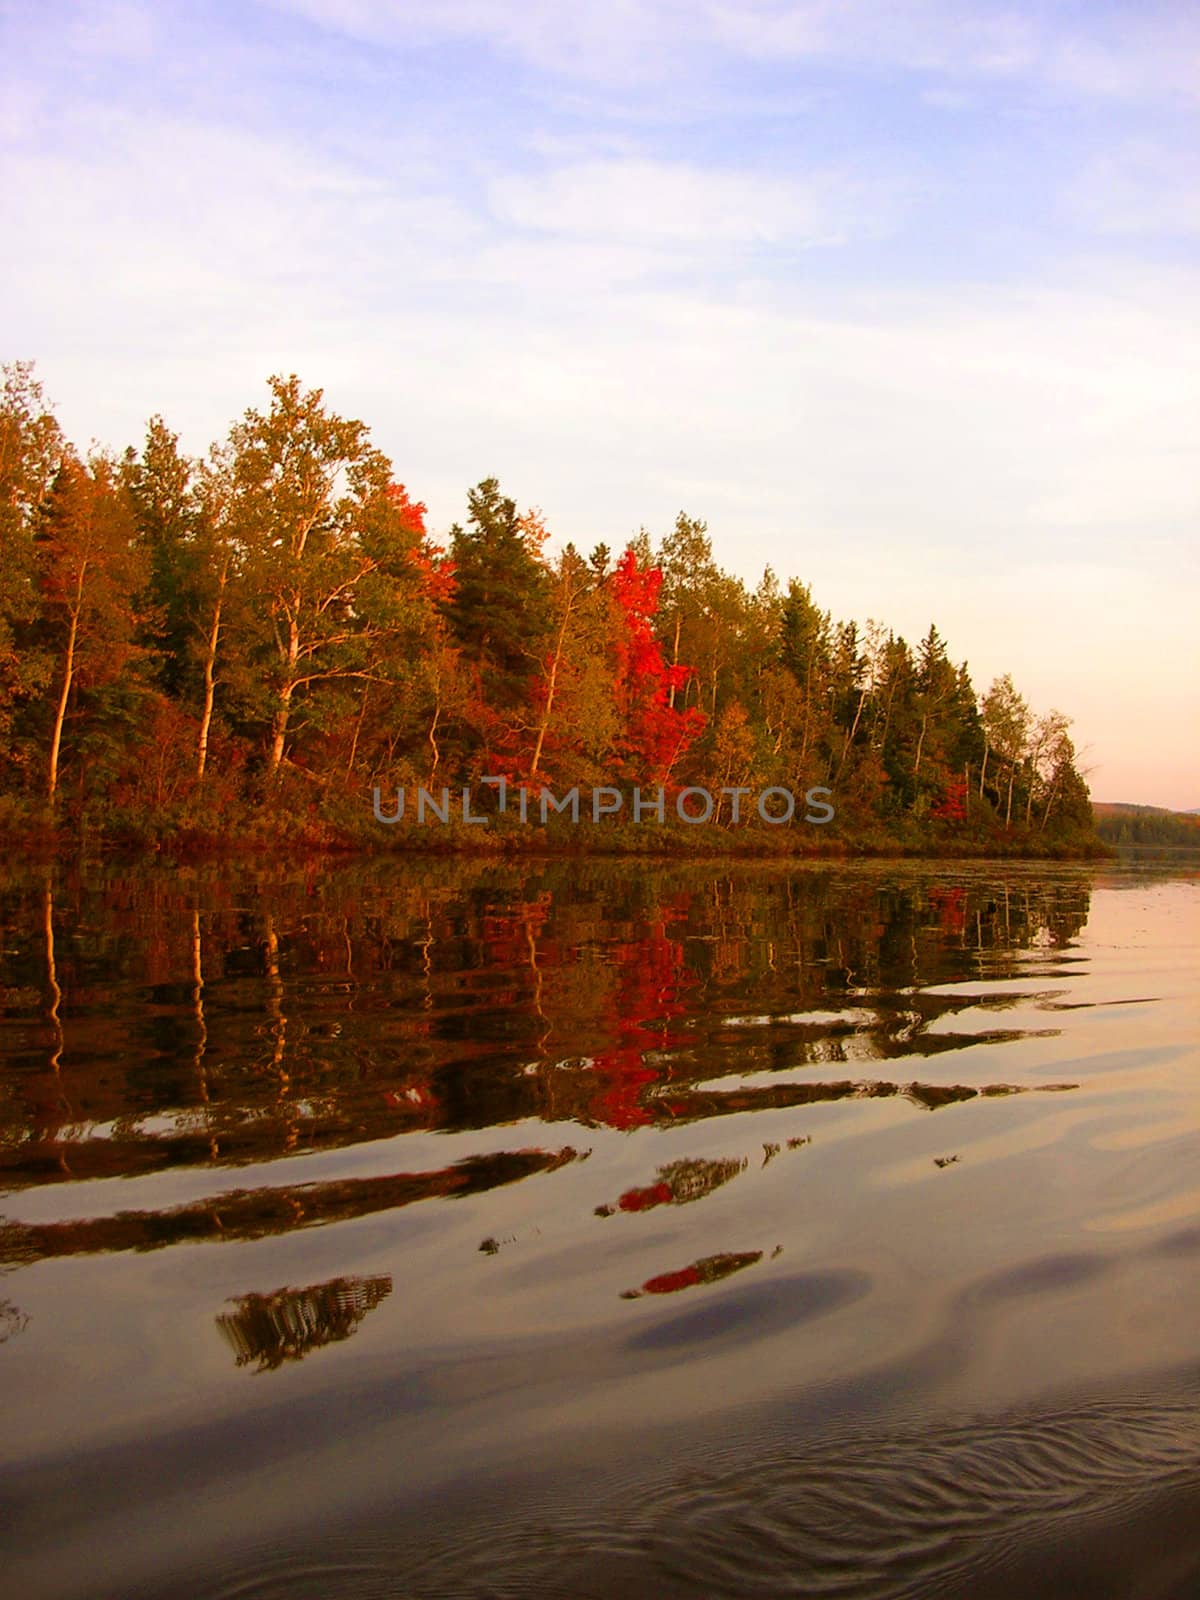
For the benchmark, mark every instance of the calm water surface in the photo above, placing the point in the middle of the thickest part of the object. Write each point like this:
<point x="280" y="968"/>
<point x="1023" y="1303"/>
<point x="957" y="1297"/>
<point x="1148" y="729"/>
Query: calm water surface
<point x="582" y="1229"/>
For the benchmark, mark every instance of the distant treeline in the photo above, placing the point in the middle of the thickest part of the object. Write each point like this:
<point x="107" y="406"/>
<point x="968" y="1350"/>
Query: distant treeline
<point x="241" y="647"/>
<point x="1147" y="825"/>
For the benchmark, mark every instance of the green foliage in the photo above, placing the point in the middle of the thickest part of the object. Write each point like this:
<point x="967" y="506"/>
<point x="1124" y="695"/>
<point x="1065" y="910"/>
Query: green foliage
<point x="499" y="611"/>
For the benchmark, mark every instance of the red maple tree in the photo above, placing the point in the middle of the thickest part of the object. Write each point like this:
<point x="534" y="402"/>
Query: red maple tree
<point x="952" y="803"/>
<point x="655" y="734"/>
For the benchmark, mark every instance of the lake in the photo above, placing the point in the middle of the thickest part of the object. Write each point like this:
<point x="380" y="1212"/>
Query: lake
<point x="588" y="1228"/>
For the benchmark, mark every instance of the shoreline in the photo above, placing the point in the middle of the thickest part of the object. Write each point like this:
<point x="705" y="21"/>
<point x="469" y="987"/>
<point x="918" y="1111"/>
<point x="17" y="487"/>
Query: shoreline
<point x="236" y="847"/>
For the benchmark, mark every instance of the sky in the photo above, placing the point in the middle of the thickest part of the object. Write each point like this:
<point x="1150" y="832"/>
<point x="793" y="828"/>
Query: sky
<point x="901" y="296"/>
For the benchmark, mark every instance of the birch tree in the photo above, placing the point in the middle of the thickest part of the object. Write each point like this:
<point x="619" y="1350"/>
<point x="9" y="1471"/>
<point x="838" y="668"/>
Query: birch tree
<point x="306" y="491"/>
<point x="1006" y="726"/>
<point x="573" y="580"/>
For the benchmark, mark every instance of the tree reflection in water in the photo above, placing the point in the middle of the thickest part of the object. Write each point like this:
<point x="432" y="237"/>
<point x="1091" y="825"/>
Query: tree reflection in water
<point x="12" y="1320"/>
<point x="678" y="1182"/>
<point x="707" y="1270"/>
<point x="286" y="1325"/>
<point x="162" y="1024"/>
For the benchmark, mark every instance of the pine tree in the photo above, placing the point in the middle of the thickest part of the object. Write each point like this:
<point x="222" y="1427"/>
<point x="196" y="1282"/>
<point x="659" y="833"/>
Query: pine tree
<point x="804" y="650"/>
<point x="499" y="613"/>
<point x="160" y="484"/>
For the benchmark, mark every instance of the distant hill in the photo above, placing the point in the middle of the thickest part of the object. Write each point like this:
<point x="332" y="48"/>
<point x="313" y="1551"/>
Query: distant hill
<point x="1120" y="823"/>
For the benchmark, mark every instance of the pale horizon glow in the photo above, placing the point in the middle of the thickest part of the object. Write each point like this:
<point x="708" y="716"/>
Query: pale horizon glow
<point x="901" y="298"/>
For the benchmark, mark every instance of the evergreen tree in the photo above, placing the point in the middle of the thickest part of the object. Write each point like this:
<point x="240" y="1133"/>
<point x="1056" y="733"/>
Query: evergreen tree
<point x="1068" y="811"/>
<point x="935" y="691"/>
<point x="804" y="650"/>
<point x="159" y="483"/>
<point x="499" y="613"/>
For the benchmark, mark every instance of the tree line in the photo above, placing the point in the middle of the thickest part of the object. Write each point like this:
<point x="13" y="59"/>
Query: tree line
<point x="1148" y="825"/>
<point x="257" y="638"/>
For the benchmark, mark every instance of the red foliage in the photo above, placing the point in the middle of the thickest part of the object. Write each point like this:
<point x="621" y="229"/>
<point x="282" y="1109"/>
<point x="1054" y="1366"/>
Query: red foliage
<point x="435" y="572"/>
<point x="669" y="1282"/>
<point x="511" y="934"/>
<point x="710" y="1270"/>
<point x="949" y="903"/>
<point x="652" y="976"/>
<point x="658" y="1194"/>
<point x="411" y="513"/>
<point x="655" y="734"/>
<point x="952" y="804"/>
<point x="626" y="1075"/>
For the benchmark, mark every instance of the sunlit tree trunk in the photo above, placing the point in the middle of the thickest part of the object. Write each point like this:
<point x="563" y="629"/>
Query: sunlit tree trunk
<point x="435" y="754"/>
<point x="674" y="658"/>
<point x="920" y="746"/>
<point x="210" y="682"/>
<point x="552" y="684"/>
<point x="358" y="726"/>
<point x="60" y="713"/>
<point x="279" y="722"/>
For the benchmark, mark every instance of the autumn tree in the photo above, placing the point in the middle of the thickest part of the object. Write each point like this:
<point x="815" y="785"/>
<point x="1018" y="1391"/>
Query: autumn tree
<point x="163" y="620"/>
<point x="309" y="515"/>
<point x="181" y="511"/>
<point x="716" y="640"/>
<point x="424" y="685"/>
<point x="88" y="571"/>
<point x="31" y="450"/>
<point x="654" y="734"/>
<point x="1006" y="729"/>
<point x="734" y="751"/>
<point x="572" y="582"/>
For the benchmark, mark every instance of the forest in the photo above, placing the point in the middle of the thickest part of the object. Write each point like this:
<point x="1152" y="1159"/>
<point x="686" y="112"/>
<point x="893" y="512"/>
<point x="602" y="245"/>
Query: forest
<point x="1148" y="827"/>
<point x="234" y="652"/>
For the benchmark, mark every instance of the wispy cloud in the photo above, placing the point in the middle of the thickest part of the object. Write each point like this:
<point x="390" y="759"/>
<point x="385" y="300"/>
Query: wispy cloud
<point x="685" y="204"/>
<point x="1124" y="51"/>
<point x="1140" y="187"/>
<point x="121" y="30"/>
<point x="596" y="41"/>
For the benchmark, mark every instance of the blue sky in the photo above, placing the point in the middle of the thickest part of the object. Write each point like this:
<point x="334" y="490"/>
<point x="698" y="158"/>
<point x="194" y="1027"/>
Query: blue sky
<point x="902" y="298"/>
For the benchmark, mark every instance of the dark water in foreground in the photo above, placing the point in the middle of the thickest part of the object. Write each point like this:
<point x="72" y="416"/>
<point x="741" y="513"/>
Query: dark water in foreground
<point x="590" y="1229"/>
